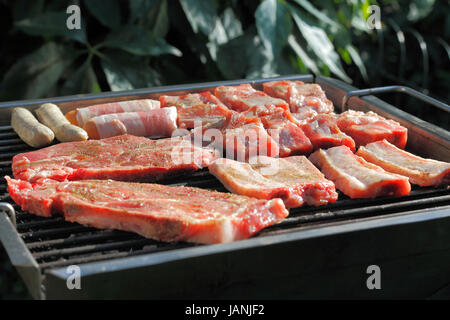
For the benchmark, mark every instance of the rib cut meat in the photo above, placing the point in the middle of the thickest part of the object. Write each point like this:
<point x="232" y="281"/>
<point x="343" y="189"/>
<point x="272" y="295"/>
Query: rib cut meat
<point x="420" y="171"/>
<point x="356" y="177"/>
<point x="125" y="158"/>
<point x="293" y="179"/>
<point x="164" y="213"/>
<point x="369" y="127"/>
<point x="299" y="95"/>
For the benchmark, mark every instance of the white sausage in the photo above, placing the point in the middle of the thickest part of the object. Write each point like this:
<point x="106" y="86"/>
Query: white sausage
<point x="50" y="115"/>
<point x="31" y="131"/>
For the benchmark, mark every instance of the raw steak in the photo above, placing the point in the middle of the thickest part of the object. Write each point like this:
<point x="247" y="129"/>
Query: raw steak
<point x="125" y="158"/>
<point x="293" y="179"/>
<point x="299" y="95"/>
<point x="154" y="211"/>
<point x="420" y="171"/>
<point x="370" y="127"/>
<point x="356" y="177"/>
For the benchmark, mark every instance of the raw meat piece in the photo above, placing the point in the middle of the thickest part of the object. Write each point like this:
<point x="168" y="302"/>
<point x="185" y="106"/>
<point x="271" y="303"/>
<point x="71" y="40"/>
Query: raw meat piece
<point x="240" y="137"/>
<point x="81" y="115"/>
<point x="293" y="179"/>
<point x="125" y="158"/>
<point x="242" y="97"/>
<point x="153" y="123"/>
<point x="283" y="128"/>
<point x="189" y="100"/>
<point x="305" y="114"/>
<point x="299" y="95"/>
<point x="323" y="132"/>
<point x="202" y="114"/>
<point x="356" y="177"/>
<point x="154" y="211"/>
<point x="370" y="127"/>
<point x="420" y="171"/>
<point x="201" y="108"/>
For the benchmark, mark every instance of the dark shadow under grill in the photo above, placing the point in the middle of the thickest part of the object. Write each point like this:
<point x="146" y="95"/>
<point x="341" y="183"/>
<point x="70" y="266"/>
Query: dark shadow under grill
<point x="54" y="242"/>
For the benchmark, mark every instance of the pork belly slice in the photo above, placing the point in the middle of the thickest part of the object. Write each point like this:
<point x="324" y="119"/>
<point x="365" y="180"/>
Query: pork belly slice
<point x="238" y="137"/>
<point x="323" y="132"/>
<point x="293" y="179"/>
<point x="125" y="158"/>
<point x="369" y="127"/>
<point x="242" y="97"/>
<point x="299" y="95"/>
<point x="420" y="171"/>
<point x="82" y="115"/>
<point x="159" y="212"/>
<point x="283" y="128"/>
<point x="189" y="100"/>
<point x="356" y="177"/>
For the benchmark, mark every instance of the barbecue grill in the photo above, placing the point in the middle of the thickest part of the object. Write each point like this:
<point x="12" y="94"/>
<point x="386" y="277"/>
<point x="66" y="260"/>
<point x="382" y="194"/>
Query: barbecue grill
<point x="317" y="252"/>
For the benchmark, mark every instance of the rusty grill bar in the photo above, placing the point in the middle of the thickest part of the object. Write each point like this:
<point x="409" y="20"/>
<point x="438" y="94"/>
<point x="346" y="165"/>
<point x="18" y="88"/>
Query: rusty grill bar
<point x="54" y="243"/>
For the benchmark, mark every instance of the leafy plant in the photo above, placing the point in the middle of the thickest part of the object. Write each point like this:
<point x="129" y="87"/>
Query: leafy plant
<point x="141" y="43"/>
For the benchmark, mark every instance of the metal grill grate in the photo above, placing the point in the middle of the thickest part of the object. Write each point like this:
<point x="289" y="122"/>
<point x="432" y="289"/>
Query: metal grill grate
<point x="54" y="242"/>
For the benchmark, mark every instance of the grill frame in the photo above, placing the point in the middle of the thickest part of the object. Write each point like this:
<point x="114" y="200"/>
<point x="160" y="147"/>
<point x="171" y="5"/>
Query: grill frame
<point x="225" y="257"/>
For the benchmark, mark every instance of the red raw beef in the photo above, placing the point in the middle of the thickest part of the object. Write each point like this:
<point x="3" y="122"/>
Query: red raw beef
<point x="125" y="158"/>
<point x="164" y="213"/>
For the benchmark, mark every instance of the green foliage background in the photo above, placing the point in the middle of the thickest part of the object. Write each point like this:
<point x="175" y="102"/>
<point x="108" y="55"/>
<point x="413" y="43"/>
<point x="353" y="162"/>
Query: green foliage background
<point x="142" y="43"/>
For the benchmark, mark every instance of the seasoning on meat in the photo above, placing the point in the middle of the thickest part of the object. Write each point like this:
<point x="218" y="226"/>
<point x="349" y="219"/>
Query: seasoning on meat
<point x="125" y="158"/>
<point x="153" y="123"/>
<point x="420" y="171"/>
<point x="356" y="177"/>
<point x="164" y="213"/>
<point x="81" y="115"/>
<point x="293" y="179"/>
<point x="299" y="95"/>
<point x="369" y="127"/>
